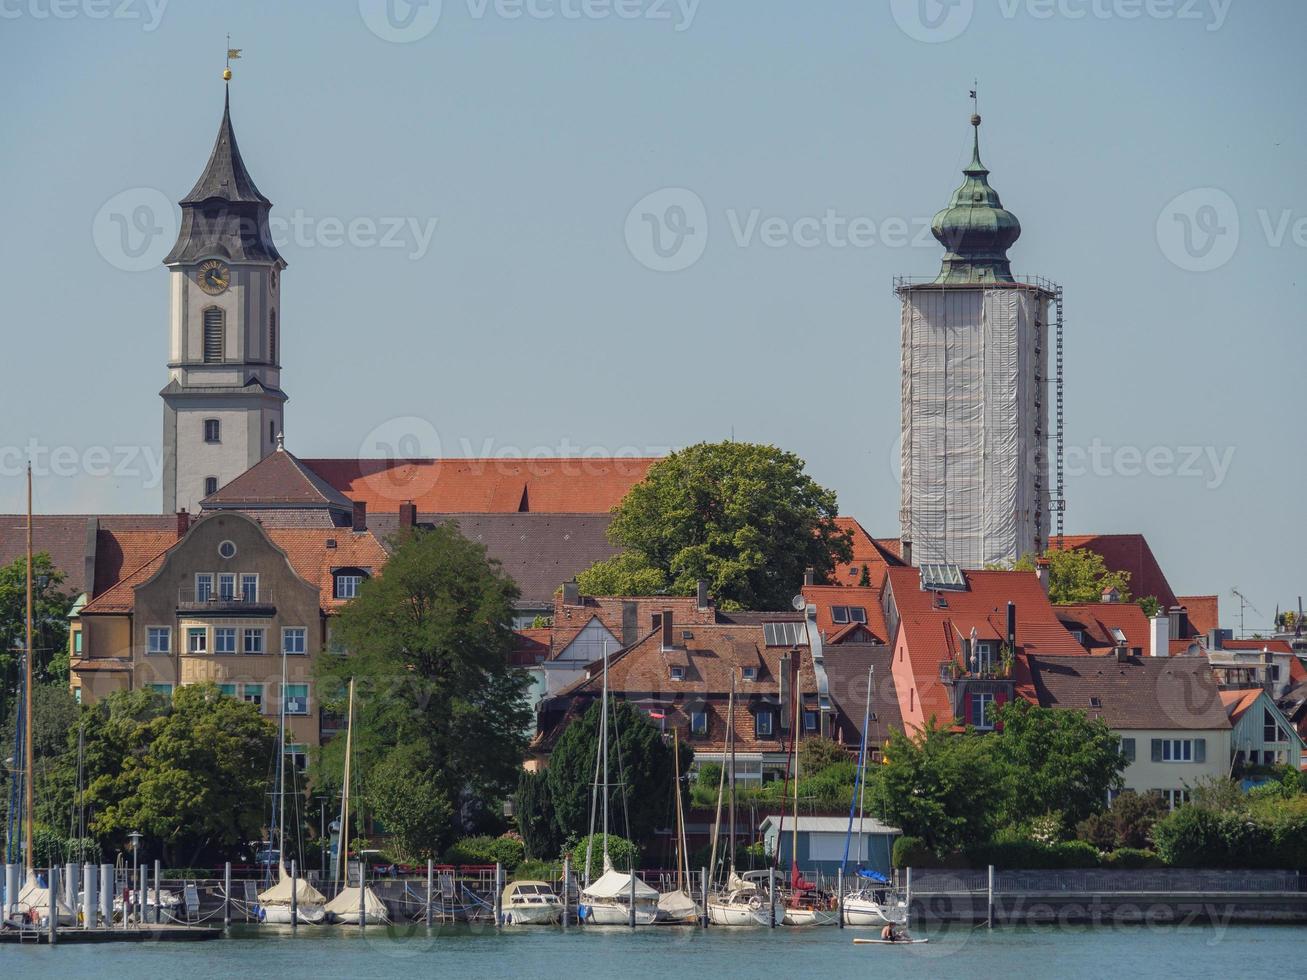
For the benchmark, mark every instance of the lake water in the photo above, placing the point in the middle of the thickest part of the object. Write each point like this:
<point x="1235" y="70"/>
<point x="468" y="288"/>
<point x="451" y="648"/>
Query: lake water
<point x="716" y="954"/>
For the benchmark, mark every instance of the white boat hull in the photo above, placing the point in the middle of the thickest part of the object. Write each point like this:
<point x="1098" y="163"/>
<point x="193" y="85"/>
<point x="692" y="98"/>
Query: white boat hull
<point x="309" y="915"/>
<point x="810" y="917"/>
<point x="612" y="914"/>
<point x="533" y="915"/>
<point x="352" y="918"/>
<point x="863" y="912"/>
<point x="722" y="914"/>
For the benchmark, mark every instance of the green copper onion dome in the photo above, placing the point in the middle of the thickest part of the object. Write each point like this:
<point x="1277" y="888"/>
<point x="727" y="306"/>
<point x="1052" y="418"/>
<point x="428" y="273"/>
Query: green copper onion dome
<point x="975" y="229"/>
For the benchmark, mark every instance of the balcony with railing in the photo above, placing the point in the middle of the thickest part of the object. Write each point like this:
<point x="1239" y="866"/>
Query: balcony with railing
<point x="992" y="681"/>
<point x="258" y="601"/>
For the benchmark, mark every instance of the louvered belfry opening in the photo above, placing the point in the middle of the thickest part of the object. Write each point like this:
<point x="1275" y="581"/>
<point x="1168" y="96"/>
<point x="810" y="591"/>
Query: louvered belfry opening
<point x="272" y="336"/>
<point x="215" y="330"/>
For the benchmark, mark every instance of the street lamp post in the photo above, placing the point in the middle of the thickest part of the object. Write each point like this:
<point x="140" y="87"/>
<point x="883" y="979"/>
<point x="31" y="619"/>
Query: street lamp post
<point x="135" y="837"/>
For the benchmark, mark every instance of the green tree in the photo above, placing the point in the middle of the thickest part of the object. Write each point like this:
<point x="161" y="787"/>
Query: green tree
<point x="622" y="853"/>
<point x="945" y="790"/>
<point x="50" y="608"/>
<point x="429" y="643"/>
<point x="744" y="517"/>
<point x="816" y="754"/>
<point x="1061" y="761"/>
<point x="1077" y="575"/>
<point x="1128" y="822"/>
<point x="191" y="775"/>
<point x="533" y="808"/>
<point x="405" y="792"/>
<point x="640" y="767"/>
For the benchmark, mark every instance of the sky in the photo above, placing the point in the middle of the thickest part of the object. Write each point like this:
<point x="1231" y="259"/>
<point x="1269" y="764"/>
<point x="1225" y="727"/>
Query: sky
<point x="560" y="227"/>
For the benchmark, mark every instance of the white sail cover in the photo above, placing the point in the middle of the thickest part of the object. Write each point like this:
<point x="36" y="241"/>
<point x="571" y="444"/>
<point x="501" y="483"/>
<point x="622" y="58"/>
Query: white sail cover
<point x="34" y="895"/>
<point x="975" y="470"/>
<point x="677" y="905"/>
<point x="617" y="884"/>
<point x="305" y="894"/>
<point x="347" y="902"/>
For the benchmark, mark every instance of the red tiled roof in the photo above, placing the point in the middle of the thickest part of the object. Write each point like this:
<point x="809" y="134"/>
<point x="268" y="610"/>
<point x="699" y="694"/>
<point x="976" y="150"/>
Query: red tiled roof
<point x="280" y="479"/>
<point x="122" y="541"/>
<point x="824" y="597"/>
<point x="876" y="555"/>
<point x="1127" y="553"/>
<point x="472" y="486"/>
<point x="1204" y="612"/>
<point x="930" y="636"/>
<point x="1274" y="646"/>
<point x="611" y="610"/>
<point x="1238" y="702"/>
<point x="531" y="646"/>
<point x="1097" y="619"/>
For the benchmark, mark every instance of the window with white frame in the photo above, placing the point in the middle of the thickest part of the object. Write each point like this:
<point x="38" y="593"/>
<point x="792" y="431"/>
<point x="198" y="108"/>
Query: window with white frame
<point x="297" y="755"/>
<point x="197" y="639"/>
<point x="158" y="639"/>
<point x="297" y="699"/>
<point x="224" y="639"/>
<point x="252" y="694"/>
<point x="763" y="723"/>
<point x="982" y="711"/>
<point x="699" y="722"/>
<point x="1177" y="750"/>
<point x="1175" y="797"/>
<point x="1271" y="730"/>
<point x="226" y="586"/>
<point x="984" y="654"/>
<point x="809" y="721"/>
<point x="347" y="585"/>
<point x="252" y="639"/>
<point x="677" y="672"/>
<point x="749" y="673"/>
<point x="294" y="639"/>
<point x="249" y="587"/>
<point x="203" y="586"/>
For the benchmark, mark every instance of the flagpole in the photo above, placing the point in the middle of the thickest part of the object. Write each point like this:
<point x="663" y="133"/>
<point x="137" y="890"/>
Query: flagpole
<point x="28" y="767"/>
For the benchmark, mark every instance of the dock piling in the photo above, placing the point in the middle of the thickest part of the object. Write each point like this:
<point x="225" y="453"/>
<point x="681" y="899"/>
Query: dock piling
<point x="52" y="890"/>
<point x="226" y="895"/>
<point x="771" y="896"/>
<point x="106" y="895"/>
<point x="70" y="885"/>
<point x="431" y="866"/>
<point x="567" y="880"/>
<point x="363" y="906"/>
<point x="89" y="898"/>
<point x="703" y="891"/>
<point x="295" y="898"/>
<point x="158" y="910"/>
<point x="839" y="897"/>
<point x="989" y="916"/>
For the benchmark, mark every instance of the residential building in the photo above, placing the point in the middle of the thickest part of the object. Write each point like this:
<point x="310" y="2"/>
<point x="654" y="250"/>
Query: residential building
<point x="1168" y="712"/>
<point x="956" y="635"/>
<point x="1261" y="735"/>
<point x="222" y="604"/>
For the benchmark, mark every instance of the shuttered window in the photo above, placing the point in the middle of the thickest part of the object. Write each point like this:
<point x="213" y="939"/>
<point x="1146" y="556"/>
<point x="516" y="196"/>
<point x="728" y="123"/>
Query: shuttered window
<point x="215" y="330"/>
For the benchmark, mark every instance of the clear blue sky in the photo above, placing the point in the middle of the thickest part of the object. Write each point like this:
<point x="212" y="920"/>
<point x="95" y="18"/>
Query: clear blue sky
<point x="527" y="324"/>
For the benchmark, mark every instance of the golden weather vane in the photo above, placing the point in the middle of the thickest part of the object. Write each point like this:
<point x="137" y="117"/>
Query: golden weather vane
<point x="232" y="55"/>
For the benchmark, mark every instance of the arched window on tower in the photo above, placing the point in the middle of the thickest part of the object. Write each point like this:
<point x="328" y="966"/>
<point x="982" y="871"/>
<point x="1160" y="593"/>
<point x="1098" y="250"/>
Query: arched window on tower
<point x="272" y="336"/>
<point x="215" y="335"/>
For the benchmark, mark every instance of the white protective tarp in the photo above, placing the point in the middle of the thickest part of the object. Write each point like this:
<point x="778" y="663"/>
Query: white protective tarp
<point x="617" y="884"/>
<point x="346" y="902"/>
<point x="305" y="894"/>
<point x="677" y="905"/>
<point x="35" y="897"/>
<point x="974" y="455"/>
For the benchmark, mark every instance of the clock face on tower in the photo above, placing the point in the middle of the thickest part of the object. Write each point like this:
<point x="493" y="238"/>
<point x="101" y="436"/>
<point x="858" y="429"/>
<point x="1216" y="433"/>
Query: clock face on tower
<point x="213" y="276"/>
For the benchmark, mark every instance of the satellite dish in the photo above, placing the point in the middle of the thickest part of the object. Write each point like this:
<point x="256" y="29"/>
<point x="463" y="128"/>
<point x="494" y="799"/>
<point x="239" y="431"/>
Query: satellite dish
<point x="799" y="603"/>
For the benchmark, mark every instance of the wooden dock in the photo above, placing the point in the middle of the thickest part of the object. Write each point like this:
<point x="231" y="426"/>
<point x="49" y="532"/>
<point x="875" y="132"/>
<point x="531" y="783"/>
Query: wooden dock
<point x="134" y="934"/>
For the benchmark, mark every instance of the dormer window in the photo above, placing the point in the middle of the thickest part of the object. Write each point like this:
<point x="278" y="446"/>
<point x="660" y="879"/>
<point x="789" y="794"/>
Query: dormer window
<point x="840" y="615"/>
<point x="678" y="672"/>
<point x="749" y="673"/>
<point x="347" y="584"/>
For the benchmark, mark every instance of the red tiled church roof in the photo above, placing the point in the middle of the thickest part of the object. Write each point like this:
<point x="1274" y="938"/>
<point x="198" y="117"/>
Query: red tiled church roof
<point x="1127" y="553"/>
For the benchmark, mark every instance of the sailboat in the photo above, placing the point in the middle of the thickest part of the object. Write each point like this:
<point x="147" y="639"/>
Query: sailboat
<point x="32" y="904"/>
<point x="344" y="908"/>
<point x="276" y="903"/>
<point x="873" y="903"/>
<point x="616" y="898"/>
<point x="740" y="901"/>
<point x="805" y="904"/>
<point x="678" y="907"/>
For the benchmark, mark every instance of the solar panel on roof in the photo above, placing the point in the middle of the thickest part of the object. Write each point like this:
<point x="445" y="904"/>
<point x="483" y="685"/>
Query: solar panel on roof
<point x="785" y="634"/>
<point x="941" y="575"/>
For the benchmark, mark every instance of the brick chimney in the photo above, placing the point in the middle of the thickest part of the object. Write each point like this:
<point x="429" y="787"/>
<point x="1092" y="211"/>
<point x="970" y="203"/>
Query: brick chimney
<point x="905" y="549"/>
<point x="571" y="593"/>
<point x="408" y="516"/>
<point x="1012" y="628"/>
<point x="703" y="595"/>
<point x="359" y="521"/>
<point x="1041" y="573"/>
<point x="183" y="522"/>
<point x="669" y="635"/>
<point x="810" y="576"/>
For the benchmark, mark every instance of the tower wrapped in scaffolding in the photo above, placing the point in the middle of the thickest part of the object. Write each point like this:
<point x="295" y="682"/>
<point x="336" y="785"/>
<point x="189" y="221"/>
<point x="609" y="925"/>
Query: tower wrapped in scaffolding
<point x="975" y="460"/>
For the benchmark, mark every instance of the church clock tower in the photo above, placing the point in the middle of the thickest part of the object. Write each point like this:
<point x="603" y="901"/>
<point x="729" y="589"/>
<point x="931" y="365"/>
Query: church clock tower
<point x="223" y="403"/>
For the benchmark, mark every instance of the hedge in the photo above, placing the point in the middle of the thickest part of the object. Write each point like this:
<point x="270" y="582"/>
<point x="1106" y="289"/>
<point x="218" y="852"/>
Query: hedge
<point x="508" y="851"/>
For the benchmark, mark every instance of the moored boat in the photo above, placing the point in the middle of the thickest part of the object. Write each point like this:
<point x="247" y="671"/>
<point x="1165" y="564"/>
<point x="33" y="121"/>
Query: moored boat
<point x="530" y="903"/>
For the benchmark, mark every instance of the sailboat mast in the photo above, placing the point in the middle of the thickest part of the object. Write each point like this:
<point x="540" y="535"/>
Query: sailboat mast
<point x="29" y="769"/>
<point x="603" y="748"/>
<point x="859" y="776"/>
<point x="342" y="844"/>
<point x="730" y="741"/>
<point x="680" y="827"/>
<point x="281" y="775"/>
<point x="794" y="830"/>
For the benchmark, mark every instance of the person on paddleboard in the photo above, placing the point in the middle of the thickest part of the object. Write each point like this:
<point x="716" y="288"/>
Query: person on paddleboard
<point x="893" y="934"/>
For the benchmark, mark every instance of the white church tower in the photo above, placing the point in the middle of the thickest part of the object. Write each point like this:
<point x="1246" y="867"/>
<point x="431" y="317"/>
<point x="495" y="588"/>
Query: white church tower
<point x="223" y="402"/>
<point x="975" y="467"/>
